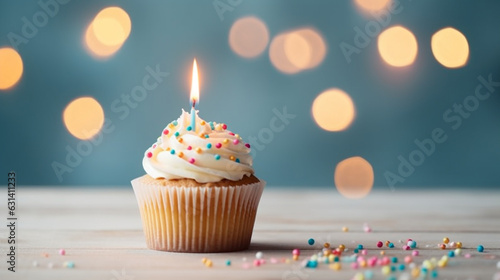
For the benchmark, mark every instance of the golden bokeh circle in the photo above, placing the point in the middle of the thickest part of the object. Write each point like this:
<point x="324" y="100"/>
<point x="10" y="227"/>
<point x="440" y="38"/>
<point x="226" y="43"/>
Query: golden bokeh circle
<point x="11" y="68"/>
<point x="354" y="177"/>
<point x="397" y="46"/>
<point x="333" y="110"/>
<point x="83" y="117"/>
<point x="450" y="47"/>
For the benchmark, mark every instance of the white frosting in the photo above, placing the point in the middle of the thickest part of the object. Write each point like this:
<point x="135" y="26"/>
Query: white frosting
<point x="163" y="160"/>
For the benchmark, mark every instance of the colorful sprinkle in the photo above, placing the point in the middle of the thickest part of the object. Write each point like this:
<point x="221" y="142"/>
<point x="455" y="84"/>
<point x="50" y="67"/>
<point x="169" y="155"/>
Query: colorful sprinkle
<point x="174" y="122"/>
<point x="296" y="252"/>
<point x="230" y="133"/>
<point x="451" y="254"/>
<point x="391" y="245"/>
<point x="181" y="154"/>
<point x="232" y="158"/>
<point x="380" y="244"/>
<point x="225" y="141"/>
<point x="442" y="246"/>
<point x="176" y="133"/>
<point x="69" y="264"/>
<point x="480" y="248"/>
<point x="189" y="128"/>
<point x="198" y="150"/>
<point x="172" y="152"/>
<point x="149" y="154"/>
<point x="217" y="157"/>
<point x="165" y="131"/>
<point x="202" y="122"/>
<point x="180" y="140"/>
<point x="218" y="145"/>
<point x="310" y="241"/>
<point x="236" y="141"/>
<point x="192" y="160"/>
<point x="345" y="229"/>
<point x="209" y="146"/>
<point x="237" y="160"/>
<point x="189" y="148"/>
<point x="247" y="145"/>
<point x="360" y="246"/>
<point x="459" y="244"/>
<point x="259" y="255"/>
<point x="206" y="136"/>
<point x="446" y="240"/>
<point x="211" y="125"/>
<point x="228" y="262"/>
<point x="62" y="252"/>
<point x="415" y="253"/>
<point x="224" y="126"/>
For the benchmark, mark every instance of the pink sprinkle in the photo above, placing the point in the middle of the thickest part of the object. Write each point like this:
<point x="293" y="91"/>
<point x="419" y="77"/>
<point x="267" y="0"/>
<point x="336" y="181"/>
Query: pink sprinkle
<point x="408" y="240"/>
<point x="224" y="126"/>
<point x="372" y="262"/>
<point x="380" y="262"/>
<point x="467" y="255"/>
<point x="149" y="154"/>
<point x="354" y="265"/>
<point x="367" y="229"/>
<point x="165" y="131"/>
<point x="273" y="260"/>
<point x="154" y="146"/>
<point x="230" y="133"/>
<point x="189" y="148"/>
<point x="247" y="145"/>
<point x="245" y="265"/>
<point x="62" y="252"/>
<point x="408" y="259"/>
<point x="191" y="160"/>
<point x="385" y="260"/>
<point x="406" y="247"/>
<point x="415" y="253"/>
<point x="236" y="141"/>
<point x="218" y="145"/>
<point x="262" y="261"/>
<point x="380" y="244"/>
<point x="360" y="259"/>
<point x="364" y="252"/>
<point x="453" y="244"/>
<point x="296" y="252"/>
<point x="256" y="262"/>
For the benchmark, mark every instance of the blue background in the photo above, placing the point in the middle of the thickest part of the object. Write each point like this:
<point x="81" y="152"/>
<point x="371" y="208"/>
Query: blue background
<point x="394" y="106"/>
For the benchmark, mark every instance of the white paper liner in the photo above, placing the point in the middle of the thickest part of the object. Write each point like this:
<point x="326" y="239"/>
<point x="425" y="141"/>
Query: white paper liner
<point x="198" y="219"/>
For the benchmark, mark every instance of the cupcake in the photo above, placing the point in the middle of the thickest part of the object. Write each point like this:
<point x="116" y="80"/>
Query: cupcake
<point x="199" y="193"/>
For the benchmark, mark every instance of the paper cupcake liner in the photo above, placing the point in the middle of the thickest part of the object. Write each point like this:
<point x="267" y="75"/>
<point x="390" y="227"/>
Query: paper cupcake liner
<point x="198" y="219"/>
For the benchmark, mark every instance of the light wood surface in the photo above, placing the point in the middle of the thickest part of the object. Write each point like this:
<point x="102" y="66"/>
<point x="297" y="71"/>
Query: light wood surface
<point x="101" y="231"/>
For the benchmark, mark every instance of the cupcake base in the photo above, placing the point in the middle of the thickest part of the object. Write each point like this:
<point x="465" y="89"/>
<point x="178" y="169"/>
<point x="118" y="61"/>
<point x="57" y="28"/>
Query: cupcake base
<point x="186" y="216"/>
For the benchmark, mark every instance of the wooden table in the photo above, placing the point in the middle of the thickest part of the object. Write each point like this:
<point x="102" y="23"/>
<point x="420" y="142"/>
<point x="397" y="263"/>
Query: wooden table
<point x="101" y="231"/>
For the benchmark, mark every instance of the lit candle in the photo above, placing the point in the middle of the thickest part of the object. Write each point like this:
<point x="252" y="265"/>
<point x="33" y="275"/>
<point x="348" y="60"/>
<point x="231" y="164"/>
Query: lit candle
<point x="195" y="95"/>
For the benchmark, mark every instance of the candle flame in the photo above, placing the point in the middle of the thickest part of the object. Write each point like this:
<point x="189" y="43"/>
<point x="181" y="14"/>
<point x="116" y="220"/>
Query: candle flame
<point x="195" y="86"/>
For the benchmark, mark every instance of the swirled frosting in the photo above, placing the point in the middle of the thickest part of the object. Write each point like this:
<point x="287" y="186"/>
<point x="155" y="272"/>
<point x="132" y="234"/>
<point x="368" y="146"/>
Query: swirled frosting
<point x="208" y="153"/>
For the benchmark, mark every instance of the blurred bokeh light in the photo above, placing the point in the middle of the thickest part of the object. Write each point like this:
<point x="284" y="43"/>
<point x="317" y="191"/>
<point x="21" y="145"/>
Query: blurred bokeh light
<point x="450" y="47"/>
<point x="397" y="46"/>
<point x="248" y="37"/>
<point x="333" y="110"/>
<point x="372" y="5"/>
<point x="83" y="117"/>
<point x="11" y="68"/>
<point x="297" y="50"/>
<point x="354" y="177"/>
<point x="107" y="32"/>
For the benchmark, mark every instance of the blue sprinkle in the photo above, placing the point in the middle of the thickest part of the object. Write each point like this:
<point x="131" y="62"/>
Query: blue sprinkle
<point x="238" y="160"/>
<point x="172" y="152"/>
<point x="394" y="259"/>
<point x="392" y="277"/>
<point x="434" y="274"/>
<point x="393" y="268"/>
<point x="211" y="125"/>
<point x="413" y="244"/>
<point x="368" y="274"/>
<point x="176" y="133"/>
<point x="312" y="264"/>
<point x="228" y="262"/>
<point x="70" y="264"/>
<point x="356" y="251"/>
<point x="391" y="245"/>
<point x="174" y="122"/>
<point x="402" y="267"/>
<point x="451" y="254"/>
<point x="310" y="241"/>
<point x="217" y="157"/>
<point x="206" y="136"/>
<point x="480" y="248"/>
<point x="189" y="128"/>
<point x="360" y="246"/>
<point x="209" y="146"/>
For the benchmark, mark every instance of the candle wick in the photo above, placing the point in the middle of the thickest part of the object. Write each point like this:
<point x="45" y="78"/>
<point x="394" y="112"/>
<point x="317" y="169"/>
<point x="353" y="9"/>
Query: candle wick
<point x="194" y="102"/>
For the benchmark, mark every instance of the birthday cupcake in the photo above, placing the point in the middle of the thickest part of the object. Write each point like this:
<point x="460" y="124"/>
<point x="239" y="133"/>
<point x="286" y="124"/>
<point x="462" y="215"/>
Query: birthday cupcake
<point x="199" y="193"/>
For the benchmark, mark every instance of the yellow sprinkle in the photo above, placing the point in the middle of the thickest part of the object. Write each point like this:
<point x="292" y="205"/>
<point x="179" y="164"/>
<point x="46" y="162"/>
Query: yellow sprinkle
<point x="168" y="148"/>
<point x="446" y="240"/>
<point x="180" y="140"/>
<point x="382" y="252"/>
<point x="363" y="263"/>
<point x="202" y="135"/>
<point x="342" y="247"/>
<point x="204" y="260"/>
<point x="198" y="150"/>
<point x="386" y="270"/>
<point x="237" y="136"/>
<point x="345" y="229"/>
<point x="202" y="122"/>
<point x="171" y="125"/>
<point x="335" y="266"/>
<point x="295" y="257"/>
<point x="442" y="263"/>
<point x="459" y="244"/>
<point x="326" y="245"/>
<point x="232" y="158"/>
<point x="181" y="154"/>
<point x="415" y="272"/>
<point x="225" y="141"/>
<point x="331" y="257"/>
<point x="208" y="263"/>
